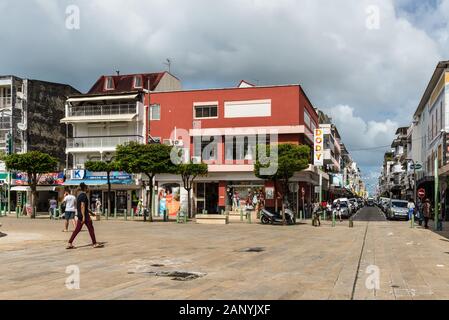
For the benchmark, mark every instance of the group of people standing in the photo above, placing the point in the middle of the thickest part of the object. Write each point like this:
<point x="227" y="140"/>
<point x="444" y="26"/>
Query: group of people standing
<point x="423" y="211"/>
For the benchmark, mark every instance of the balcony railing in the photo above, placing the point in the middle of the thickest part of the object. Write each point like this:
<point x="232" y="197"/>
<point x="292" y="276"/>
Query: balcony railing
<point x="5" y="101"/>
<point x="101" y="142"/>
<point x="102" y="110"/>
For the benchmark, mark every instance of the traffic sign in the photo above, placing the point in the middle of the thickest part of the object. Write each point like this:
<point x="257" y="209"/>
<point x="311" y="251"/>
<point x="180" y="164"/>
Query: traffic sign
<point x="421" y="193"/>
<point x="416" y="166"/>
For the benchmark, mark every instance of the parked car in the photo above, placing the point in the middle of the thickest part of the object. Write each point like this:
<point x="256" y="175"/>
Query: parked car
<point x="344" y="208"/>
<point x="370" y="202"/>
<point x="354" y="205"/>
<point x="397" y="209"/>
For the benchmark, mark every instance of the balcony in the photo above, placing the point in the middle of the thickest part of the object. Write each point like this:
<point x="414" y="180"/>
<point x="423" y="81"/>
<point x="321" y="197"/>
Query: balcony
<point x="5" y="102"/>
<point x="99" y="144"/>
<point x="111" y="112"/>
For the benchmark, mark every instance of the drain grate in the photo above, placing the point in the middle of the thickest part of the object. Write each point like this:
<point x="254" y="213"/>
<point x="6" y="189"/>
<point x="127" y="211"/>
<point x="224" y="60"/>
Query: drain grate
<point x="255" y="249"/>
<point x="174" y="275"/>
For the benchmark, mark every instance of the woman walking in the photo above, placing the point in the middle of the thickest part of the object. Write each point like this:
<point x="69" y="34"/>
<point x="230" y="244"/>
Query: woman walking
<point x="426" y="213"/>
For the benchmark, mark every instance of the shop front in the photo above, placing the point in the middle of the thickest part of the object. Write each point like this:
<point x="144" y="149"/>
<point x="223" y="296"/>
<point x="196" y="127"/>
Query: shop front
<point x="125" y="192"/>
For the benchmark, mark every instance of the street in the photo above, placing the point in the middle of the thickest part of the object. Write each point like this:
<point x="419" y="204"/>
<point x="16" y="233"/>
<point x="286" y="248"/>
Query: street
<point x="377" y="259"/>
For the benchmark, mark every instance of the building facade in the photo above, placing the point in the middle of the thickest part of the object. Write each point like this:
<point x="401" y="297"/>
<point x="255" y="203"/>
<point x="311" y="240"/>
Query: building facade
<point x="222" y="127"/>
<point x="110" y="114"/>
<point x="30" y="111"/>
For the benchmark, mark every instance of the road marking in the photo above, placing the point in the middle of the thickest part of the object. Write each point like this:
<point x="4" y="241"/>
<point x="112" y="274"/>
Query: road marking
<point x="359" y="263"/>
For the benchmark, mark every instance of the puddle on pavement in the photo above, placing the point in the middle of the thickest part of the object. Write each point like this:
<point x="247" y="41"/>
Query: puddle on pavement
<point x="174" y="275"/>
<point x="2" y="235"/>
<point x="153" y="268"/>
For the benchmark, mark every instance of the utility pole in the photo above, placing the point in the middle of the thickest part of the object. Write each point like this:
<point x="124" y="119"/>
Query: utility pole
<point x="437" y="208"/>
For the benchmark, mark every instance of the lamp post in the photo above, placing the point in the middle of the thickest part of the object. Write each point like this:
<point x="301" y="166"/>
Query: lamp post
<point x="414" y="179"/>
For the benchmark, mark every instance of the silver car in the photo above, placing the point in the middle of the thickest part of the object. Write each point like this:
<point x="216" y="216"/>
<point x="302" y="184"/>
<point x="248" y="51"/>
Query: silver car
<point x="397" y="209"/>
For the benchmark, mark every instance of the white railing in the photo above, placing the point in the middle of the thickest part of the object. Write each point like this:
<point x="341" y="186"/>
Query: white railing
<point x="102" y="110"/>
<point x="101" y="142"/>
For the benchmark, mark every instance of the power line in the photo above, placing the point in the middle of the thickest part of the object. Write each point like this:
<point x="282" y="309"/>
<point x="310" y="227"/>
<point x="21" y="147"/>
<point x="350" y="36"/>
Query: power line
<point x="381" y="147"/>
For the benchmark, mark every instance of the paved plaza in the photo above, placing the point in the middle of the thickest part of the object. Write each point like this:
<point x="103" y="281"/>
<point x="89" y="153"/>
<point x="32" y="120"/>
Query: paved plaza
<point x="237" y="261"/>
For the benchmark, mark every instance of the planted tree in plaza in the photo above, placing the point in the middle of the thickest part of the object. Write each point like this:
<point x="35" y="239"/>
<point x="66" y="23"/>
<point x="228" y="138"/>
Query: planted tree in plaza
<point x="189" y="172"/>
<point x="104" y="166"/>
<point x="290" y="159"/>
<point x="147" y="159"/>
<point x="34" y="163"/>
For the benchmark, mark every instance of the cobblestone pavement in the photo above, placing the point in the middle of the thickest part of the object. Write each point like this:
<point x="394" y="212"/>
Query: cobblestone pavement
<point x="374" y="260"/>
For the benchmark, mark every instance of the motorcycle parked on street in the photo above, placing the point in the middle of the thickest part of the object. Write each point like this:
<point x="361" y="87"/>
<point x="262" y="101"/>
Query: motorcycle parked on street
<point x="267" y="217"/>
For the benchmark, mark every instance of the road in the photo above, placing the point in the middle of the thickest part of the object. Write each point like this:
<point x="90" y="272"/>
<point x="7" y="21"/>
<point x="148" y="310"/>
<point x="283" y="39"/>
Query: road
<point x="369" y="214"/>
<point x="237" y="261"/>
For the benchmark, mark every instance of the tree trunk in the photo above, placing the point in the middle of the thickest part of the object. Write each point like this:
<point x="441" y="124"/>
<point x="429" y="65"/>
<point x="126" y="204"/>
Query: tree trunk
<point x="33" y="202"/>
<point x="109" y="194"/>
<point x="150" y="201"/>
<point x="189" y="203"/>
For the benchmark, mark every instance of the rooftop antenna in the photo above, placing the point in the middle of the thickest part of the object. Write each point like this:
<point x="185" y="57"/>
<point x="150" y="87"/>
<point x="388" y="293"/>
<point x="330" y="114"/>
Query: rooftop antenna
<point x="168" y="64"/>
<point x="118" y="72"/>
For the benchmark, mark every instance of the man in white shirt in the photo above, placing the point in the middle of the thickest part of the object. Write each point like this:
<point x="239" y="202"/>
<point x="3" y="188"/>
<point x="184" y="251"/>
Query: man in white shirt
<point x="70" y="209"/>
<point x="411" y="208"/>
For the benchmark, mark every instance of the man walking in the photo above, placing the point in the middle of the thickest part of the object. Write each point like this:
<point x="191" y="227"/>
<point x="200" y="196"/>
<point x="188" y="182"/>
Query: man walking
<point x="83" y="212"/>
<point x="69" y="214"/>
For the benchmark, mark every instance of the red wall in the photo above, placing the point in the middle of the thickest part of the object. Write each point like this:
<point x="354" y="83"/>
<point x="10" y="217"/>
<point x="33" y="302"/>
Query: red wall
<point x="288" y="103"/>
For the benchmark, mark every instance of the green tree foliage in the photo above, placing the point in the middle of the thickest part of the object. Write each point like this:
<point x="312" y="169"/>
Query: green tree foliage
<point x="291" y="158"/>
<point x="147" y="159"/>
<point x="34" y="163"/>
<point x="189" y="172"/>
<point x="104" y="166"/>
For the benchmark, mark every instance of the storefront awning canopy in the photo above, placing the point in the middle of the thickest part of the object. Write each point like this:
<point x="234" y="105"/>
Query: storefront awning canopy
<point x="92" y="182"/>
<point x="39" y="188"/>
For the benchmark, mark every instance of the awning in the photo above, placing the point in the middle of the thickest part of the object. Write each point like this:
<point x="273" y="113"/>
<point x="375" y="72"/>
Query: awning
<point x="111" y="118"/>
<point x="39" y="188"/>
<point x="101" y="98"/>
<point x="92" y="182"/>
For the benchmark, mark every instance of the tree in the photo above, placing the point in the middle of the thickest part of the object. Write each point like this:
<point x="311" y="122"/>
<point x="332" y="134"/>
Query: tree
<point x="104" y="166"/>
<point x="34" y="163"/>
<point x="147" y="159"/>
<point x="291" y="158"/>
<point x="189" y="172"/>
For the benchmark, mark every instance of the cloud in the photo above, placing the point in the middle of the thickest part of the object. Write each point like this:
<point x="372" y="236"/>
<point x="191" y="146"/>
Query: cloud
<point x="324" y="45"/>
<point x="367" y="141"/>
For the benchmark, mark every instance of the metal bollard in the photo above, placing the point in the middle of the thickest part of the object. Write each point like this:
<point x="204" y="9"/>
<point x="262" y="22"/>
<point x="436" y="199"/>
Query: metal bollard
<point x="107" y="215"/>
<point x="241" y="215"/>
<point x="132" y="214"/>
<point x="248" y="216"/>
<point x="412" y="221"/>
<point x="126" y="214"/>
<point x="351" y="223"/>
<point x="115" y="213"/>
<point x="333" y="220"/>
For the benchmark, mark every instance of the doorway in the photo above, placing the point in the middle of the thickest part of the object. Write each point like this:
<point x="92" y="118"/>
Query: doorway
<point x="207" y="197"/>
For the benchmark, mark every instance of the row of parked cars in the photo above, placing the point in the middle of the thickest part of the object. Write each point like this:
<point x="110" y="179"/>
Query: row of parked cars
<point x="393" y="209"/>
<point x="348" y="207"/>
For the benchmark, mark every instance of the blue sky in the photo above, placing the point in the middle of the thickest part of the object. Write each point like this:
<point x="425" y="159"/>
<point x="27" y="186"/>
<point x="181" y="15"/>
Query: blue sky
<point x="369" y="80"/>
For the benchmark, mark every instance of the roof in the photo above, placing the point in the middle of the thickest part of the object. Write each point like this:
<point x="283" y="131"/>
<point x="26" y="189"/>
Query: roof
<point x="125" y="83"/>
<point x="441" y="66"/>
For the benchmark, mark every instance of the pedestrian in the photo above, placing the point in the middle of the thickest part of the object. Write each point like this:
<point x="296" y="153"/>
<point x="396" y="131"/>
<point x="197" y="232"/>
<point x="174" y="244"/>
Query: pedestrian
<point x="411" y="208"/>
<point x="426" y="213"/>
<point x="70" y="208"/>
<point x="316" y="214"/>
<point x="338" y="210"/>
<point x="83" y="212"/>
<point x="98" y="207"/>
<point x="53" y="207"/>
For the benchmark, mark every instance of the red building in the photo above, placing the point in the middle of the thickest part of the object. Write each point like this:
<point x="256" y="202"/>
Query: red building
<point x="222" y="127"/>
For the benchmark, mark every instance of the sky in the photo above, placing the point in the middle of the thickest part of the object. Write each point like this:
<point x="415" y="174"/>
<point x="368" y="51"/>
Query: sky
<point x="364" y="62"/>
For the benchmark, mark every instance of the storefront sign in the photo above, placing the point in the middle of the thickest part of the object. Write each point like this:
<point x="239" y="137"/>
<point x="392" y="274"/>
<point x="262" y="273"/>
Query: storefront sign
<point x="318" y="147"/>
<point x="88" y="175"/>
<point x="48" y="179"/>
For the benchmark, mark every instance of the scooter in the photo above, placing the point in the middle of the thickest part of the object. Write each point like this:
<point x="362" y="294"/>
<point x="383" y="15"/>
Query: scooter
<point x="267" y="217"/>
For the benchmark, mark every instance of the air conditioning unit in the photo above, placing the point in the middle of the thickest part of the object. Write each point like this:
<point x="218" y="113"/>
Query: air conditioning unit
<point x="178" y="143"/>
<point x="168" y="142"/>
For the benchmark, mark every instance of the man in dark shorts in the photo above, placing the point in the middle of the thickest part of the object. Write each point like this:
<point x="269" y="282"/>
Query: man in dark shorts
<point x="83" y="214"/>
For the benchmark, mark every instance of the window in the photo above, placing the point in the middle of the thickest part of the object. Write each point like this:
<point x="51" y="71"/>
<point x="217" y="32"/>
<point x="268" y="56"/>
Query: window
<point x="210" y="111"/>
<point x="307" y="119"/>
<point x="137" y="82"/>
<point x="441" y="115"/>
<point x="109" y="83"/>
<point x="155" y="112"/>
